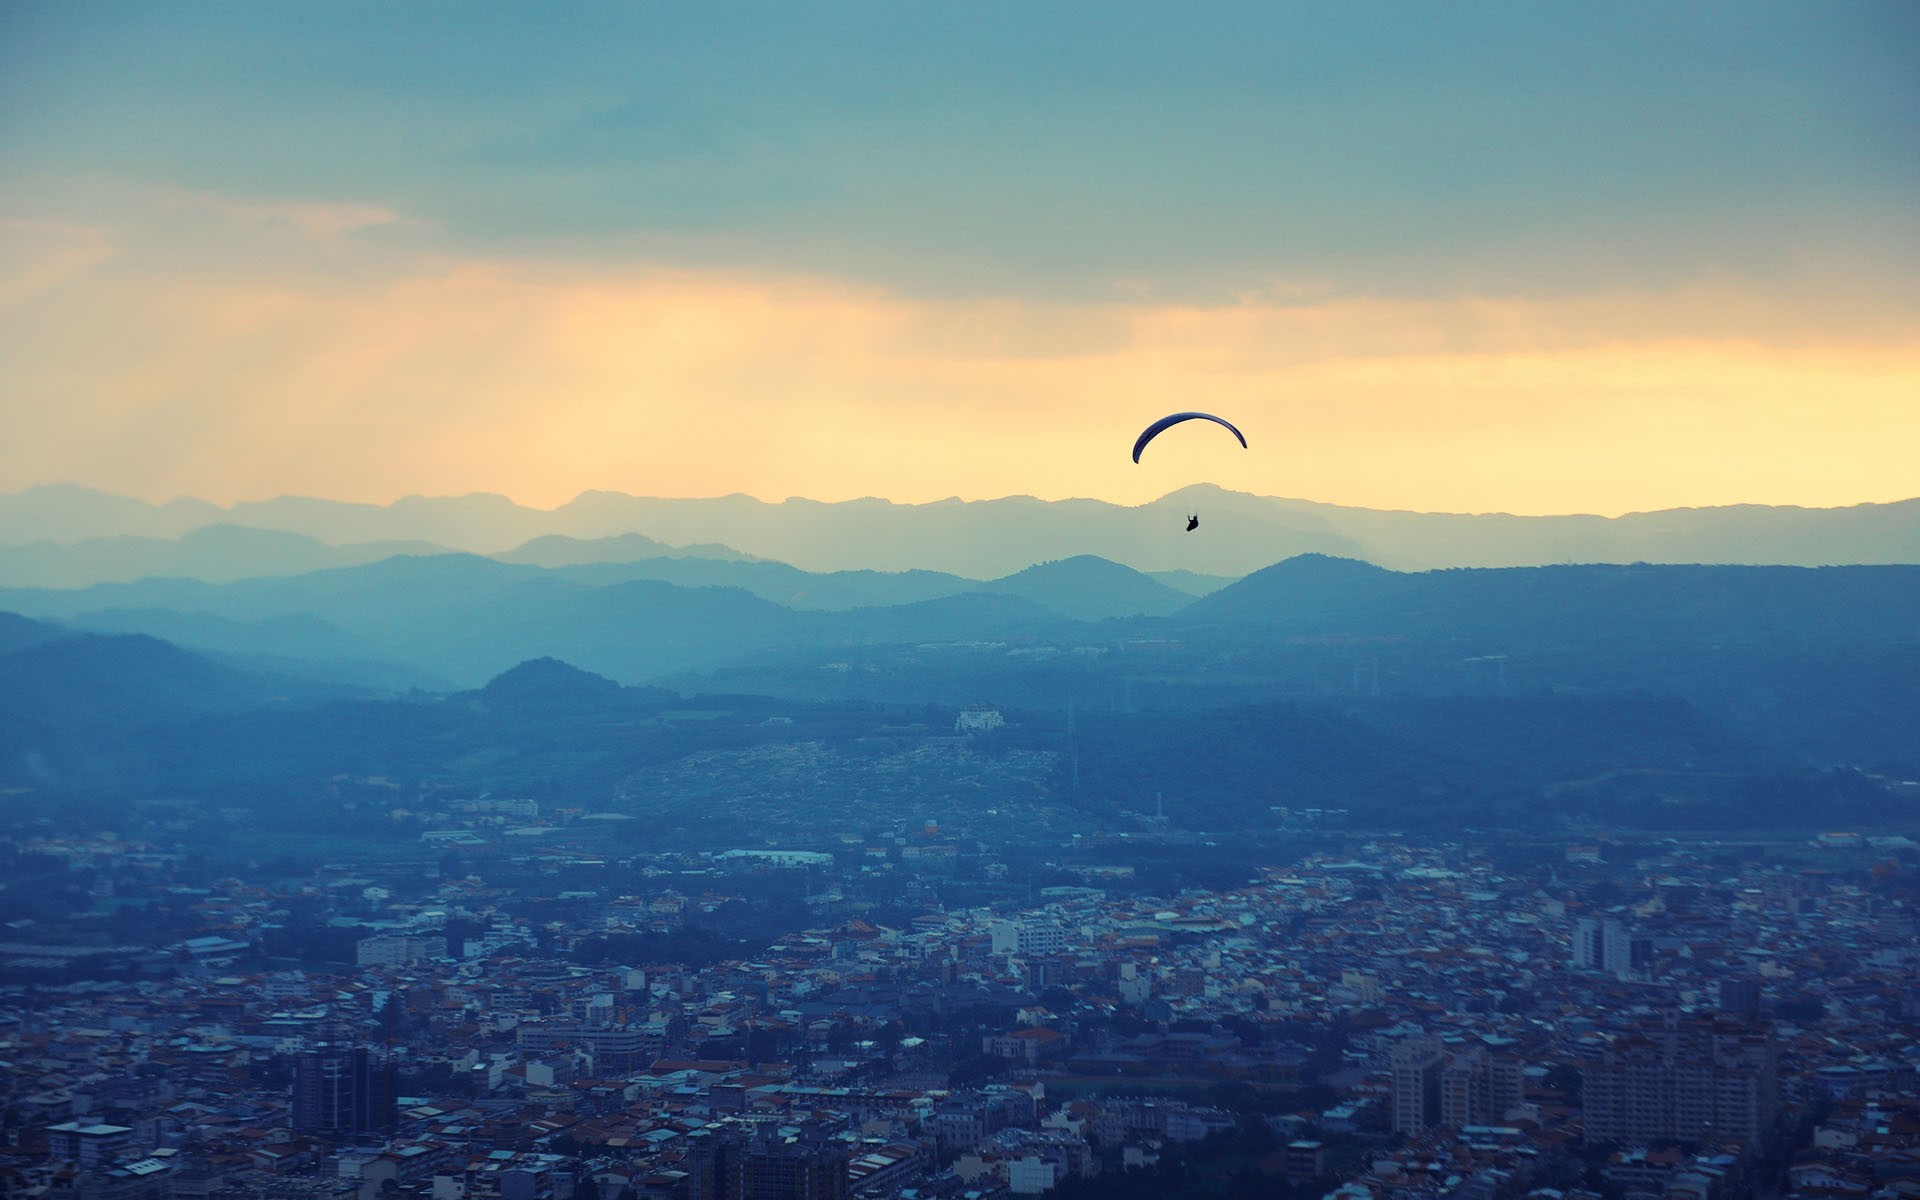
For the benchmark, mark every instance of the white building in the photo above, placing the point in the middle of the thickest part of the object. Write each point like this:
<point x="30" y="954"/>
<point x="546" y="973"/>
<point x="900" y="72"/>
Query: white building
<point x="978" y="718"/>
<point x="1603" y="945"/>
<point x="1028" y="938"/>
<point x="88" y="1143"/>
<point x="395" y="951"/>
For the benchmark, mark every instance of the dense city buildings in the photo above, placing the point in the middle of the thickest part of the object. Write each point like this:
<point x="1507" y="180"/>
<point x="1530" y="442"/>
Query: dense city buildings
<point x="1372" y="1017"/>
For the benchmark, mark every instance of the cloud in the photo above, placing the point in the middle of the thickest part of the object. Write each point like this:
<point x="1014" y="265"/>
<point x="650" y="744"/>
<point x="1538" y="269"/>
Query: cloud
<point x="275" y="370"/>
<point x="36" y="255"/>
<point x="308" y="218"/>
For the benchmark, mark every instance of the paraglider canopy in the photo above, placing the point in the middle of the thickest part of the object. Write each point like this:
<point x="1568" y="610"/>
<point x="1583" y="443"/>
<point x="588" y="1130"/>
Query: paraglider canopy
<point x="1152" y="431"/>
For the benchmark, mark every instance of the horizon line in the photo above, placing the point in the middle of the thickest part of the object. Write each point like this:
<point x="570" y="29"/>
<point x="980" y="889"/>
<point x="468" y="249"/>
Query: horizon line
<point x="231" y="506"/>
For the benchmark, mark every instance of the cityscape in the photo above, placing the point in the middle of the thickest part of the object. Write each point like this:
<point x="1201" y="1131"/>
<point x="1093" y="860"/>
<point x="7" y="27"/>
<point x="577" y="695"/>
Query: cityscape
<point x="963" y="600"/>
<point x="510" y="1002"/>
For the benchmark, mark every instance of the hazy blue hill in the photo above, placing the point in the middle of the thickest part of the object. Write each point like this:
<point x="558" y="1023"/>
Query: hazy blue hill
<point x="991" y="538"/>
<point x="399" y="605"/>
<point x="212" y="553"/>
<point x="1087" y="588"/>
<point x="543" y="729"/>
<point x="465" y="617"/>
<point x="18" y="632"/>
<point x="1648" y="735"/>
<point x="373" y="676"/>
<point x="1228" y="768"/>
<point x="964" y="617"/>
<point x="1721" y="604"/>
<point x="534" y="725"/>
<point x="598" y="514"/>
<point x="1535" y="741"/>
<point x="1739" y="533"/>
<point x="334" y="594"/>
<point x="98" y="680"/>
<point x="479" y="523"/>
<point x="1822" y="661"/>
<point x="548" y="685"/>
<point x="1819" y="663"/>
<point x="1825" y="701"/>
<point x="1192" y="582"/>
<point x="293" y="635"/>
<point x="787" y="586"/>
<point x="364" y="600"/>
<point x="61" y="512"/>
<point x="295" y="645"/>
<point x="222" y="553"/>
<point x="630" y="631"/>
<point x="558" y="550"/>
<point x="368" y="602"/>
<point x="1302" y="588"/>
<point x="549" y="678"/>
<point x="1641" y="761"/>
<point x="983" y="539"/>
<point x="67" y="514"/>
<point x="188" y="595"/>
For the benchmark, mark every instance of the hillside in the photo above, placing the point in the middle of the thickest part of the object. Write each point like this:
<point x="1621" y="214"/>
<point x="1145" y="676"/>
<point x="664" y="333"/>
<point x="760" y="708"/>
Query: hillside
<point x="1088" y="588"/>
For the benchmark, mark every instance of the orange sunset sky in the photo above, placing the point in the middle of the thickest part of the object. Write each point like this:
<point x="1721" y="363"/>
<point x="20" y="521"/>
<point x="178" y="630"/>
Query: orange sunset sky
<point x="1521" y="259"/>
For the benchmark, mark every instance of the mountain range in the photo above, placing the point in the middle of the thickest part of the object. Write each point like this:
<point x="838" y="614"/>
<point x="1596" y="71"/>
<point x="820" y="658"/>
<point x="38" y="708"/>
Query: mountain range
<point x="1436" y="699"/>
<point x="66" y="536"/>
<point x="1284" y="653"/>
<point x="1819" y="664"/>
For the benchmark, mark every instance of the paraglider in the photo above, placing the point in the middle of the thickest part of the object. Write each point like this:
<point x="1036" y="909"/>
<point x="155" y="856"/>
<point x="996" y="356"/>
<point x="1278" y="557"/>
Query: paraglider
<point x="1152" y="431"/>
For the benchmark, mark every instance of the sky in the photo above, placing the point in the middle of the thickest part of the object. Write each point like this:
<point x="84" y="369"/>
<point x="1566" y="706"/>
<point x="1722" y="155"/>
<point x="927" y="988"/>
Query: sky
<point x="1530" y="257"/>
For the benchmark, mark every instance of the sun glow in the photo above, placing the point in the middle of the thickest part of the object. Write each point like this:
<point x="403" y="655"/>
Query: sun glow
<point x="541" y="379"/>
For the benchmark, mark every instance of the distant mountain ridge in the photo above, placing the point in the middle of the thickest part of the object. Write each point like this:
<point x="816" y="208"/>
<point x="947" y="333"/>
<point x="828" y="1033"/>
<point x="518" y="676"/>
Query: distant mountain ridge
<point x="1312" y="681"/>
<point x="213" y="553"/>
<point x="990" y="539"/>
<point x="465" y="617"/>
<point x="559" y="550"/>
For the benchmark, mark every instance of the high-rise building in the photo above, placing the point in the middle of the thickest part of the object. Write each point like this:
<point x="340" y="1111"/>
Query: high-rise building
<point x="1417" y="1064"/>
<point x="1604" y="945"/>
<point x="341" y="1091"/>
<point x="728" y="1164"/>
<point x="1506" y="1086"/>
<point x="1463" y="1087"/>
<point x="1684" y="1078"/>
<point x="1434" y="1084"/>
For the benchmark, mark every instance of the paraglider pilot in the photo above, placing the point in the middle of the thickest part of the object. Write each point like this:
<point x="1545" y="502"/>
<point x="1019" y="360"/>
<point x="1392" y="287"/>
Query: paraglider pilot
<point x="1152" y="431"/>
